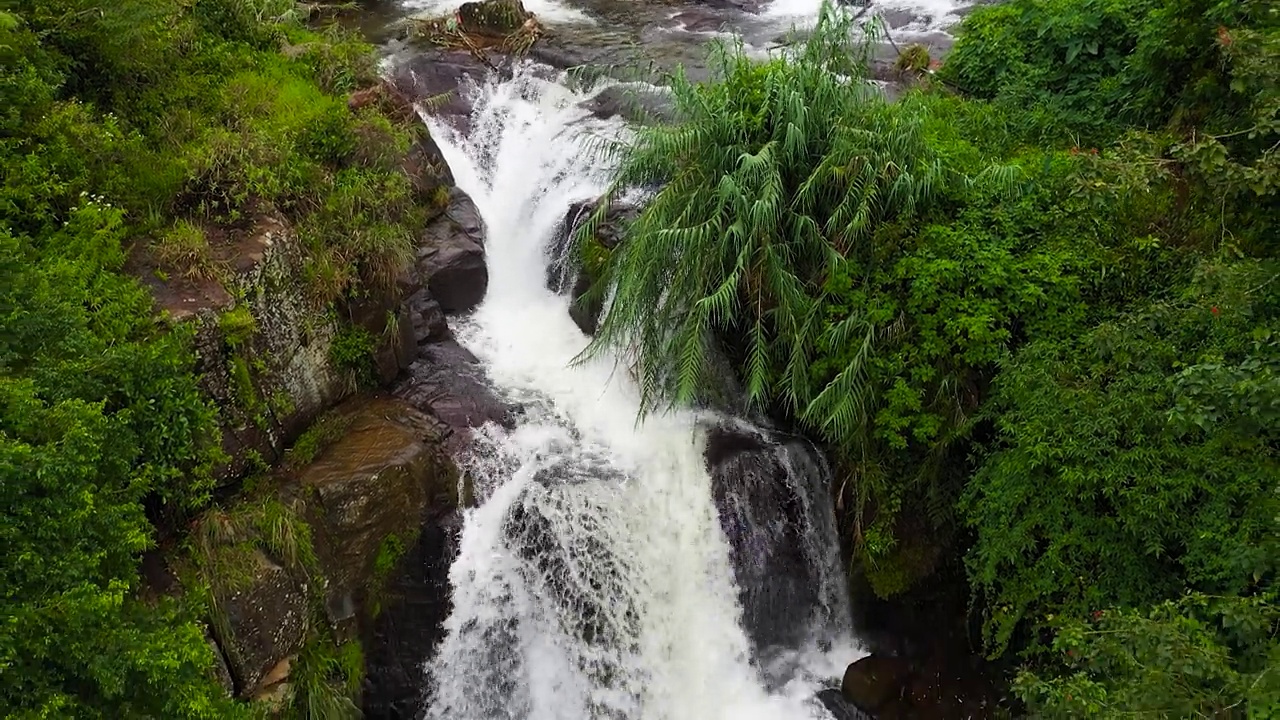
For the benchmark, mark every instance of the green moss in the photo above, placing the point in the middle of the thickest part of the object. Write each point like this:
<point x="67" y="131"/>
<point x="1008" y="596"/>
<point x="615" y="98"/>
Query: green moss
<point x="322" y="433"/>
<point x="246" y="394"/>
<point x="238" y="326"/>
<point x="352" y="355"/>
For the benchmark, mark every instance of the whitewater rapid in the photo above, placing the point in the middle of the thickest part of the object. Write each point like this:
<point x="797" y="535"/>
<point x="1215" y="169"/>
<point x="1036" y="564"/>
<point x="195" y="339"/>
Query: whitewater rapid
<point x="593" y="579"/>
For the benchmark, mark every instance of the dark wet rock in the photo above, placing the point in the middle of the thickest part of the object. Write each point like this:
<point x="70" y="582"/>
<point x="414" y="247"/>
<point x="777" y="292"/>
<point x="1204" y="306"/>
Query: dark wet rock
<point x="426" y="167"/>
<point x="874" y="682"/>
<point x="451" y="261"/>
<point x="447" y="382"/>
<point x="585" y="311"/>
<point x="220" y="669"/>
<point x="633" y="103"/>
<point x="839" y="707"/>
<point x="382" y="315"/>
<point x="409" y="622"/>
<point x="434" y="79"/>
<point x="427" y="318"/>
<point x="896" y="18"/>
<point x="746" y="6"/>
<point x="763" y="484"/>
<point x="374" y="483"/>
<point x="264" y="622"/>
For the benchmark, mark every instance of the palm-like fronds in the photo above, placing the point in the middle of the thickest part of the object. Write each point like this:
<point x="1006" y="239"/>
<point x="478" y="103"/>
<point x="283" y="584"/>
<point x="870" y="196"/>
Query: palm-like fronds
<point x="775" y="174"/>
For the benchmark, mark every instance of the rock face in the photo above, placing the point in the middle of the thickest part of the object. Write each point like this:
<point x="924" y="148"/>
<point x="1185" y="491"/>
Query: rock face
<point x="563" y="272"/>
<point x="447" y="382"/>
<point x="262" y="348"/>
<point x="840" y="708"/>
<point x="451" y="261"/>
<point x="414" y="606"/>
<point x="370" y="491"/>
<point x="639" y="104"/>
<point x="768" y="488"/>
<point x="265" y="621"/>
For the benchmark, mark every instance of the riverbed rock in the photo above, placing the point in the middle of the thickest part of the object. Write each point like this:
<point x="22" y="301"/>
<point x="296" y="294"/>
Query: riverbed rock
<point x="370" y="488"/>
<point x="874" y="682"/>
<point x="447" y="382"/>
<point x="773" y="496"/>
<point x="839" y="707"/>
<point x="434" y="79"/>
<point x="264" y="622"/>
<point x="427" y="318"/>
<point x="451" y="261"/>
<point x="635" y="103"/>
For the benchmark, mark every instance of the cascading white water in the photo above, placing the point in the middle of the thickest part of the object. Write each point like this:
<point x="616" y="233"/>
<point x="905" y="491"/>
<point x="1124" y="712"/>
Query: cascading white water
<point x="593" y="579"/>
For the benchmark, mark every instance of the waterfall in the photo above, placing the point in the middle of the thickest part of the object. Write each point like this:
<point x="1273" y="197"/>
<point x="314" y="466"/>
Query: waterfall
<point x="594" y="578"/>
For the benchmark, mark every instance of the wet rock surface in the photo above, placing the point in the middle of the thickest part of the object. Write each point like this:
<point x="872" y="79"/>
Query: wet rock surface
<point x="409" y="623"/>
<point x="447" y="382"/>
<point x="375" y="482"/>
<point x="763" y="510"/>
<point x="451" y="261"/>
<point x="840" y="708"/>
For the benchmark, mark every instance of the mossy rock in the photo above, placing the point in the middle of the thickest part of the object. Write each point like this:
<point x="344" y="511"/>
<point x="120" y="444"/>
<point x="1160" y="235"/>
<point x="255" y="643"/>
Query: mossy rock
<point x="494" y="18"/>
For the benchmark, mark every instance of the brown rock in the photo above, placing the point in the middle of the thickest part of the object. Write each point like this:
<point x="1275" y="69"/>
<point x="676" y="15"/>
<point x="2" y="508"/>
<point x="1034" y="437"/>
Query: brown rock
<point x="264" y="622"/>
<point x="375" y="482"/>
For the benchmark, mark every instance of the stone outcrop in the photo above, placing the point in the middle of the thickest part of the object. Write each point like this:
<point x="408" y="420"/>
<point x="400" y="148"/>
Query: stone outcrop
<point x="369" y="492"/>
<point x="263" y="349"/>
<point x="451" y="261"/>
<point x="768" y="488"/>
<point x="566" y="272"/>
<point x="413" y="607"/>
<point x="447" y="382"/>
<point x="363" y="515"/>
<point x="262" y="621"/>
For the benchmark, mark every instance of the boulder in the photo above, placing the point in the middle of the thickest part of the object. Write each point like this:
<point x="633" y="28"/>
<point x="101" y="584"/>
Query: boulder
<point x="434" y="80"/>
<point x="875" y="682"/>
<point x="264" y="621"/>
<point x="492" y="18"/>
<point x="770" y="489"/>
<point x="638" y="103"/>
<point x="447" y="382"/>
<point x="374" y="483"/>
<point x="585" y="311"/>
<point x="451" y="261"/>
<point x="839" y="708"/>
<point x="427" y="318"/>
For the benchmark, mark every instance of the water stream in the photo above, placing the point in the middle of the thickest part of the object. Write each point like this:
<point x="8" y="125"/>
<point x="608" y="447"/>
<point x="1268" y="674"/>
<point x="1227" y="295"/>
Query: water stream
<point x="595" y="578"/>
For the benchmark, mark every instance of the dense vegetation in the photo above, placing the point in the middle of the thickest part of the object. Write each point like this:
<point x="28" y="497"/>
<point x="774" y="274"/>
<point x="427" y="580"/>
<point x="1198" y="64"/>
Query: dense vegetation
<point x="1031" y="307"/>
<point x="137" y="131"/>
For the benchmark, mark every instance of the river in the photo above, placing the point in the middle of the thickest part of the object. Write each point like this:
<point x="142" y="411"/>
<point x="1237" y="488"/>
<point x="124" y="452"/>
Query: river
<point x="596" y="577"/>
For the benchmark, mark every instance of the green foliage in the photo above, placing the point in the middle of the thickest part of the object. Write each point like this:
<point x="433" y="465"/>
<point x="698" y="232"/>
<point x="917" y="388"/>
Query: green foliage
<point x="1121" y="472"/>
<point x="352" y="354"/>
<point x="150" y="127"/>
<point x="1199" y="656"/>
<point x="1038" y="322"/>
<point x="322" y="433"/>
<point x="327" y="680"/>
<point x="237" y="326"/>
